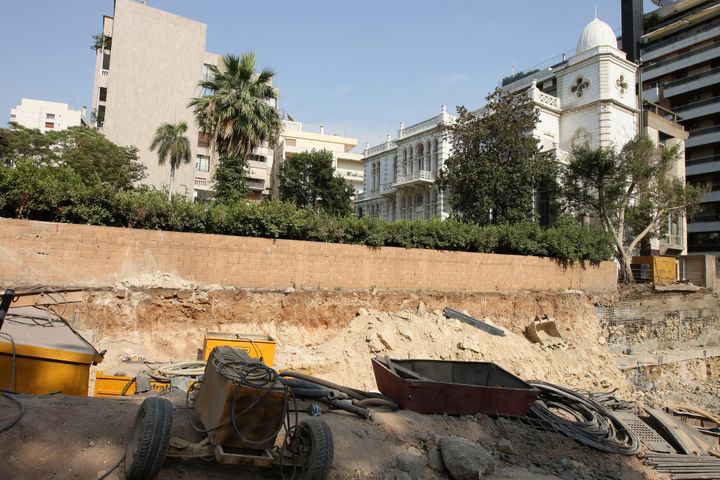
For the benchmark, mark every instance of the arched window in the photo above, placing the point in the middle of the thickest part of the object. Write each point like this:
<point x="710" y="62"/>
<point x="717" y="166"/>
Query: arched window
<point x="395" y="169"/>
<point x="428" y="156"/>
<point x="435" y="155"/>
<point x="420" y="156"/>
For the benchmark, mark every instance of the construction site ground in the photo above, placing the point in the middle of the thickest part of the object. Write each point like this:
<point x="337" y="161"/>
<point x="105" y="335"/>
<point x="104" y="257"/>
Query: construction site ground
<point x="334" y="334"/>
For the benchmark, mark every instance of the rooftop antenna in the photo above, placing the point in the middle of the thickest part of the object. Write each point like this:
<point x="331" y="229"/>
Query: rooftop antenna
<point x="595" y="10"/>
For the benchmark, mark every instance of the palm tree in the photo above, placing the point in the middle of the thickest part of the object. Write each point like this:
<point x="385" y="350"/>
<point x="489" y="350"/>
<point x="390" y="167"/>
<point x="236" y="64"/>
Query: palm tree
<point x="239" y="113"/>
<point x="170" y="142"/>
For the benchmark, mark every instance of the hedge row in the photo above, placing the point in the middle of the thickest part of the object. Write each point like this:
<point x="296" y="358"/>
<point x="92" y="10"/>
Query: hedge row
<point x="149" y="209"/>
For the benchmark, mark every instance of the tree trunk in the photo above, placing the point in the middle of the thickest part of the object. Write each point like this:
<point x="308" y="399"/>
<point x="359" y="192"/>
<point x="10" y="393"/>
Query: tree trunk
<point x="172" y="181"/>
<point x="626" y="269"/>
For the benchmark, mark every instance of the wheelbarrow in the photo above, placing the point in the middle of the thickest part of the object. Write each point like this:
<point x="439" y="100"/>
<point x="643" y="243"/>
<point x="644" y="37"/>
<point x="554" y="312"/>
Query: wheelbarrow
<point x="236" y="411"/>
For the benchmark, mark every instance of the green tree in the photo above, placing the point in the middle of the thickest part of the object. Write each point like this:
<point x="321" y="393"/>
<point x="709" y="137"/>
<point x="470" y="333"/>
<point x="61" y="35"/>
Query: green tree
<point x="496" y="166"/>
<point x="308" y="179"/>
<point x="630" y="191"/>
<point x="171" y="144"/>
<point x="238" y="113"/>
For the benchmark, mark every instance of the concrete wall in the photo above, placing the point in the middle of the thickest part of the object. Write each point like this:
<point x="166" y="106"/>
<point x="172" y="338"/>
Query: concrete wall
<point x="51" y="254"/>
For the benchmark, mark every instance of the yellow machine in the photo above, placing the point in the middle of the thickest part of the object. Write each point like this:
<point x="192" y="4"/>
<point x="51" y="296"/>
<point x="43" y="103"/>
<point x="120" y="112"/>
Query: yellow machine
<point x="42" y="354"/>
<point x="258" y="346"/>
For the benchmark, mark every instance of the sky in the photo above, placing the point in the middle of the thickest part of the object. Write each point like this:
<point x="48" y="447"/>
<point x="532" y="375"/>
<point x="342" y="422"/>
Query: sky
<point x="358" y="67"/>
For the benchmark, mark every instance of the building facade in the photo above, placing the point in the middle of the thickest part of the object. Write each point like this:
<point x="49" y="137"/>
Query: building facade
<point x="293" y="140"/>
<point x="145" y="75"/>
<point x="587" y="99"/>
<point x="400" y="174"/>
<point x="46" y="116"/>
<point x="681" y="72"/>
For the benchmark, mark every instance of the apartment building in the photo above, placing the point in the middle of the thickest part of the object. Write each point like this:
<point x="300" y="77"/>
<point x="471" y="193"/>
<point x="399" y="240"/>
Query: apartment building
<point x="145" y="74"/>
<point x="680" y="51"/>
<point x="293" y="140"/>
<point x="46" y="116"/>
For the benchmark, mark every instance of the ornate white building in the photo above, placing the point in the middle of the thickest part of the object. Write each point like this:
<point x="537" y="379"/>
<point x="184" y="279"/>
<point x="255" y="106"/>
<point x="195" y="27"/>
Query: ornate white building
<point x="400" y="175"/>
<point x="589" y="98"/>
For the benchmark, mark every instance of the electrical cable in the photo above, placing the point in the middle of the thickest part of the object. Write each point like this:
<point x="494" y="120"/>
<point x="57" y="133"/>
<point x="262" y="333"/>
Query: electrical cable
<point x="112" y="469"/>
<point x="590" y="424"/>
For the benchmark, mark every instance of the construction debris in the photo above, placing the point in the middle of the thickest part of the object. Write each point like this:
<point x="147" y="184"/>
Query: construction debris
<point x="450" y="313"/>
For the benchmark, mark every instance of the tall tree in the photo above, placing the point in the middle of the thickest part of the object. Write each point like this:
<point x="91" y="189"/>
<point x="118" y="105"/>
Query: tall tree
<point x="630" y="191"/>
<point x="239" y="113"/>
<point x="496" y="166"/>
<point x="171" y="144"/>
<point x="308" y="179"/>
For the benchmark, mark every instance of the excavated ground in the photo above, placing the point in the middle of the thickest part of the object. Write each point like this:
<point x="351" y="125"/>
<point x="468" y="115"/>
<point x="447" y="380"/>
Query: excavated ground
<point x="334" y="334"/>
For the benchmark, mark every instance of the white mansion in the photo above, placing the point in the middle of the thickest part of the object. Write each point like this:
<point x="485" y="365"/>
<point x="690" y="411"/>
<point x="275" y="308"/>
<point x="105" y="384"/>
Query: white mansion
<point x="588" y="98"/>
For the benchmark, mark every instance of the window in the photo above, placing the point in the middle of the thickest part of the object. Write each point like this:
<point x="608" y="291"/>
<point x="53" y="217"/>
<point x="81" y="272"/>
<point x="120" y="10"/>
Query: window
<point x="202" y="163"/>
<point x="290" y="142"/>
<point x="203" y="140"/>
<point x="49" y="125"/>
<point x="50" y="116"/>
<point x="207" y="75"/>
<point x="256" y="158"/>
<point x="106" y="61"/>
<point x="103" y="94"/>
<point x="100" y="117"/>
<point x="12" y="115"/>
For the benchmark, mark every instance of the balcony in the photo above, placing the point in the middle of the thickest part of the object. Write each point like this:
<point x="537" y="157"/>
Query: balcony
<point x="203" y="183"/>
<point x="702" y="108"/>
<point x="388" y="189"/>
<point x="682" y="40"/>
<point x="703" y="136"/>
<point x="418" y="177"/>
<point x="691" y="83"/>
<point x="104" y="73"/>
<point x="702" y="166"/>
<point x="255" y="184"/>
<point x="703" y="54"/>
<point x="699" y="227"/>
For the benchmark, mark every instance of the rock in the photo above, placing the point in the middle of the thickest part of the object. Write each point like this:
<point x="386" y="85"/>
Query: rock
<point x="289" y="290"/>
<point x="400" y="475"/>
<point x="414" y="466"/>
<point x="602" y="341"/>
<point x="362" y="312"/>
<point x="435" y="459"/>
<point x="422" y="309"/>
<point x="403" y="314"/>
<point x="375" y="345"/>
<point x="404" y="332"/>
<point x="465" y="460"/>
<point x="505" y="446"/>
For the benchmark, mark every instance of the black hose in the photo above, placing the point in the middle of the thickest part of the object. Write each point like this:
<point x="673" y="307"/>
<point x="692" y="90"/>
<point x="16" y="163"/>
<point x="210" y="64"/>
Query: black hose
<point x="351" y="392"/>
<point x="377" y="402"/>
<point x="350" y="408"/>
<point x="21" y="411"/>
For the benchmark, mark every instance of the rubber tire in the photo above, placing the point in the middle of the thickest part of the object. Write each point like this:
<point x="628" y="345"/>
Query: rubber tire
<point x="322" y="449"/>
<point x="149" y="440"/>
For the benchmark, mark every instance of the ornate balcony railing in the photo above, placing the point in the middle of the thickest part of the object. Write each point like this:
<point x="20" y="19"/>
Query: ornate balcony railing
<point x="418" y="175"/>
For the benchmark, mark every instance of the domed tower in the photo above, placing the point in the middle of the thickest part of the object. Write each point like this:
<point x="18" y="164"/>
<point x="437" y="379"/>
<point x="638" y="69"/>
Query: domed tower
<point x="597" y="91"/>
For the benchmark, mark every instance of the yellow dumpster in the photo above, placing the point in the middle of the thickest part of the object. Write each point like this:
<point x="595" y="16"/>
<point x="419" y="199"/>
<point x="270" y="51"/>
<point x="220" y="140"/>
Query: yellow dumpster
<point x="49" y="356"/>
<point x="258" y="346"/>
<point x="113" y="385"/>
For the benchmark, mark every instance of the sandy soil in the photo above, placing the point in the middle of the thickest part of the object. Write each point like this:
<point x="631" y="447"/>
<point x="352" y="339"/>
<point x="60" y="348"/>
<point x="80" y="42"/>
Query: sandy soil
<point x="80" y="438"/>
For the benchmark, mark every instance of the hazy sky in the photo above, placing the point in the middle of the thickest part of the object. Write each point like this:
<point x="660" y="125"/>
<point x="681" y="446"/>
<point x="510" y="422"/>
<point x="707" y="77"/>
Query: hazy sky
<point x="358" y="67"/>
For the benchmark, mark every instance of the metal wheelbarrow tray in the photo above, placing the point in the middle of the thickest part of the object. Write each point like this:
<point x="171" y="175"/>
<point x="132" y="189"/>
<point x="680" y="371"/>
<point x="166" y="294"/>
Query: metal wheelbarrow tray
<point x="453" y="387"/>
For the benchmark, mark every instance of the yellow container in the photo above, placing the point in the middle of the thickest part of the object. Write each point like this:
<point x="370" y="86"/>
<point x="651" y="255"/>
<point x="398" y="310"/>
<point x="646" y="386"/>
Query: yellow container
<point x="663" y="269"/>
<point x="50" y="357"/>
<point x="113" y="385"/>
<point x="258" y="346"/>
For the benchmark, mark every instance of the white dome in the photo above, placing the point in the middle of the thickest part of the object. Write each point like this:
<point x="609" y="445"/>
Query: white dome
<point x="596" y="33"/>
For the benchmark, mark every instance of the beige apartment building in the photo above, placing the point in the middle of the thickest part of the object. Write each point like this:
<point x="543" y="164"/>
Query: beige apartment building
<point x="145" y="76"/>
<point x="46" y="116"/>
<point x="294" y="139"/>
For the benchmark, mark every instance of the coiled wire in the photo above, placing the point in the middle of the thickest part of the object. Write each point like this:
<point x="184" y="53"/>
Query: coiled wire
<point x="589" y="422"/>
